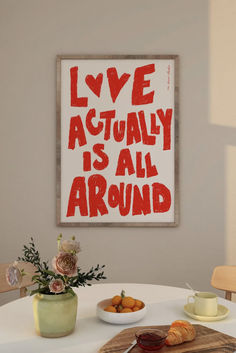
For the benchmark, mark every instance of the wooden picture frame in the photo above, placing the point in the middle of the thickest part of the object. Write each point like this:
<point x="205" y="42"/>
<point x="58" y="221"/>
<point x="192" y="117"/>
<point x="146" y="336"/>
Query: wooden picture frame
<point x="117" y="140"/>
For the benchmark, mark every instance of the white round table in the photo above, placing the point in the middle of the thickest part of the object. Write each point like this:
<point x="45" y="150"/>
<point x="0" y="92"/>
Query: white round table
<point x="164" y="304"/>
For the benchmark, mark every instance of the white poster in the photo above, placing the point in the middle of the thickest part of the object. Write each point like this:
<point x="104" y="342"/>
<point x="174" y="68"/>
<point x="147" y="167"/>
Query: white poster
<point x="116" y="141"/>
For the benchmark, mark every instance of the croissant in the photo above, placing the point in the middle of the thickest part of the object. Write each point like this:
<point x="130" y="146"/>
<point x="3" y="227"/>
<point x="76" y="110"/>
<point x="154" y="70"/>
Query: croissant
<point x="180" y="331"/>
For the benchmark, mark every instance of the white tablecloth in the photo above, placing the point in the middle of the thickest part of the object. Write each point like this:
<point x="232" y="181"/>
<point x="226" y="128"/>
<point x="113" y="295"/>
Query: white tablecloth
<point x="164" y="304"/>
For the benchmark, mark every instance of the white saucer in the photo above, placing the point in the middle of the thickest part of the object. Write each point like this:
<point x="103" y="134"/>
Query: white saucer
<point x="221" y="314"/>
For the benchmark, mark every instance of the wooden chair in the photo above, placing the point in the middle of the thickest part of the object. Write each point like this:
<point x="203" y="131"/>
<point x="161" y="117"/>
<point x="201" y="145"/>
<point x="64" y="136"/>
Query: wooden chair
<point x="26" y="282"/>
<point x="224" y="278"/>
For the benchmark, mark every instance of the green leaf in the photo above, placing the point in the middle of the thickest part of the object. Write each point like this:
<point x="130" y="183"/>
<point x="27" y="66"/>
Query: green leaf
<point x="51" y="273"/>
<point x="70" y="290"/>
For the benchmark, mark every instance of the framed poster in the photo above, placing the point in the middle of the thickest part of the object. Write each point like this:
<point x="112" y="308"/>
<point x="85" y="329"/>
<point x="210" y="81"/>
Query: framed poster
<point x="117" y="140"/>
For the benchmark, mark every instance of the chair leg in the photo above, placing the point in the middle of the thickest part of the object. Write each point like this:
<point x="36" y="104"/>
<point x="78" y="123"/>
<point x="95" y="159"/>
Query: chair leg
<point x="228" y="295"/>
<point x="22" y="292"/>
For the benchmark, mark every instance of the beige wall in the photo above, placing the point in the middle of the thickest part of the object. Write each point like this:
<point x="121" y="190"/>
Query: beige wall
<point x="32" y="33"/>
<point x="222" y="78"/>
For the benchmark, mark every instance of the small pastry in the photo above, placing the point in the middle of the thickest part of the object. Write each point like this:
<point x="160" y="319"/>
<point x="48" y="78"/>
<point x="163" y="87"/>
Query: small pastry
<point x="180" y="331"/>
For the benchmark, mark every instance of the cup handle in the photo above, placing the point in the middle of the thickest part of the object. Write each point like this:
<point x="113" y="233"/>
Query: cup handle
<point x="189" y="297"/>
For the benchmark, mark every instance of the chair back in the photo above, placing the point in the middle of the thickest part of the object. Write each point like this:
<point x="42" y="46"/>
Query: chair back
<point x="29" y="269"/>
<point x="224" y="278"/>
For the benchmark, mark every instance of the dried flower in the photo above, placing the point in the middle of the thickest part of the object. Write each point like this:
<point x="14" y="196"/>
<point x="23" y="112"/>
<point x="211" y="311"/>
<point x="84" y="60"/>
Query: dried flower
<point x="14" y="275"/>
<point x="70" y="245"/>
<point x="65" y="273"/>
<point x="56" y="286"/>
<point x="65" y="264"/>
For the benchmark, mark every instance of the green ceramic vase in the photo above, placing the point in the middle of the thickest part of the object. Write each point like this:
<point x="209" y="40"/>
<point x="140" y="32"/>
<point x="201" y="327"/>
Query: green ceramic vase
<point x="55" y="315"/>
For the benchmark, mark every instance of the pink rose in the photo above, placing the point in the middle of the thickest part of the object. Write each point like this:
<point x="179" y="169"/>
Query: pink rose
<point x="56" y="286"/>
<point x="14" y="275"/>
<point x="65" y="264"/>
<point x="70" y="245"/>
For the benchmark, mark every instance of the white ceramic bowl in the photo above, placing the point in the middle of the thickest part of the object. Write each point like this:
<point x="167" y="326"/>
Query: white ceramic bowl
<point x="118" y="318"/>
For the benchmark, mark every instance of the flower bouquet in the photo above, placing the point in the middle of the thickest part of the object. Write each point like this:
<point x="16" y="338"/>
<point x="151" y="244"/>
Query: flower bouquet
<point x="55" y="302"/>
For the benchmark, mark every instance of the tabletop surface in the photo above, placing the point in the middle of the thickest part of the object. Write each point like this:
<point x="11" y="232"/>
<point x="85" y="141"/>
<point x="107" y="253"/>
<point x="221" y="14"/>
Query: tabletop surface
<point x="165" y="304"/>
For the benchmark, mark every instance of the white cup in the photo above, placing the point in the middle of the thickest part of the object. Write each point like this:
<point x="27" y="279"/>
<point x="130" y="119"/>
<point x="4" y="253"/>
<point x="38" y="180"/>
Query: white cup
<point x="205" y="303"/>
